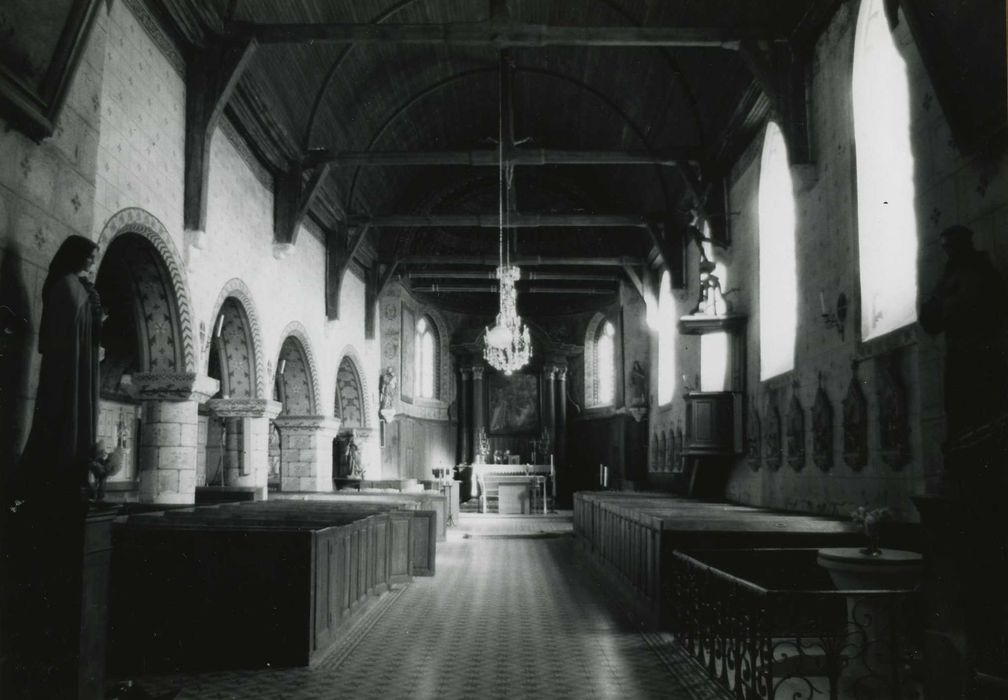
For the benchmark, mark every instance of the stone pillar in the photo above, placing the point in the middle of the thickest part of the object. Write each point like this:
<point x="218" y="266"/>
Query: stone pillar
<point x="478" y="402"/>
<point x="560" y="440"/>
<point x="306" y="452"/>
<point x="549" y="403"/>
<point x="251" y="417"/>
<point x="465" y="410"/>
<point x="168" y="439"/>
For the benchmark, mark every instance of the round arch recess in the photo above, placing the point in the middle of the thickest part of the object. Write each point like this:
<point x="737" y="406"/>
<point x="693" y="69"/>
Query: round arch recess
<point x="296" y="334"/>
<point x="352" y="392"/>
<point x="237" y="292"/>
<point x="168" y="312"/>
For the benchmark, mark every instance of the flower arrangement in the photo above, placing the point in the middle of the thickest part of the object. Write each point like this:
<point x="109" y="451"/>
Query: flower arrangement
<point x="869" y="521"/>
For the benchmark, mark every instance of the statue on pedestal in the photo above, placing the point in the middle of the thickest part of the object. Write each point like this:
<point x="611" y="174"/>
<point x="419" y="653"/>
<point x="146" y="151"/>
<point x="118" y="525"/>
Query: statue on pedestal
<point x="61" y="444"/>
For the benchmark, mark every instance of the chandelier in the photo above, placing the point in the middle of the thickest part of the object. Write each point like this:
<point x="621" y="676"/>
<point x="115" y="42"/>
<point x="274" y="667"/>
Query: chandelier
<point x="507" y="346"/>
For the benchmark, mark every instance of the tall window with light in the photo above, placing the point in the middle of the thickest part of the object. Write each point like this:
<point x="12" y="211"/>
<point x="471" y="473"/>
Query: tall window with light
<point x="605" y="364"/>
<point x="778" y="284"/>
<point x="425" y="359"/>
<point x="666" y="340"/>
<point x="887" y="223"/>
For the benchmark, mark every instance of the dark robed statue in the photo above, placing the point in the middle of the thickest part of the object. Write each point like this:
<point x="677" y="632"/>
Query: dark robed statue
<point x="62" y="440"/>
<point x="47" y="525"/>
<point x="968" y="305"/>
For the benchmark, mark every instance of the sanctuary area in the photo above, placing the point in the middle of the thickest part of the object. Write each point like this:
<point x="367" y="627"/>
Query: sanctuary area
<point x="502" y="348"/>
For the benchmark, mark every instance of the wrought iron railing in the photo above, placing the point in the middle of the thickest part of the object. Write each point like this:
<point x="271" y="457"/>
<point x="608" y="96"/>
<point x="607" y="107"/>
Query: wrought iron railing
<point x="766" y="625"/>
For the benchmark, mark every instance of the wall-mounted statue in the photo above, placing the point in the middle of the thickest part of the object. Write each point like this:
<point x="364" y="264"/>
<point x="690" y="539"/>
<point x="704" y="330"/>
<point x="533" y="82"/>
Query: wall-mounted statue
<point x="61" y="444"/>
<point x="638" y="385"/>
<point x="753" y="444"/>
<point x="855" y="426"/>
<point x="772" y="440"/>
<point x="388" y="382"/>
<point x="968" y="305"/>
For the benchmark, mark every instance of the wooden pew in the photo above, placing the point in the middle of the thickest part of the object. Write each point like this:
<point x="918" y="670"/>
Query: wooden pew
<point x="633" y="535"/>
<point x="421" y="500"/>
<point x="423" y="532"/>
<point x="221" y="587"/>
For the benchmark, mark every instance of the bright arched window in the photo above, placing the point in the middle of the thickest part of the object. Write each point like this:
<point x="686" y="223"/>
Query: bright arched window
<point x="425" y="359"/>
<point x="887" y="223"/>
<point x="778" y="284"/>
<point x="605" y="364"/>
<point x="666" y="340"/>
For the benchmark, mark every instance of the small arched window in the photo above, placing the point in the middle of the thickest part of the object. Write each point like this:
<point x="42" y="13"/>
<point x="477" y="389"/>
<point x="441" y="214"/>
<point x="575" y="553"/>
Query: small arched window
<point x="887" y="222"/>
<point x="425" y="359"/>
<point x="778" y="284"/>
<point x="666" y="340"/>
<point x="605" y="364"/>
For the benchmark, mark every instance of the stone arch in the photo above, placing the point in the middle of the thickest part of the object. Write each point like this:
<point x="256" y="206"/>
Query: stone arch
<point x="169" y="306"/>
<point x="237" y="290"/>
<point x="591" y="371"/>
<point x="294" y="338"/>
<point x="444" y="378"/>
<point x="351" y="378"/>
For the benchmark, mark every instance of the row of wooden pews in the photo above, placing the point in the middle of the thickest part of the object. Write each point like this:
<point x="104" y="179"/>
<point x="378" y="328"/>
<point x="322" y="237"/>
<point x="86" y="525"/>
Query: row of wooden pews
<point x="634" y="535"/>
<point x="255" y="585"/>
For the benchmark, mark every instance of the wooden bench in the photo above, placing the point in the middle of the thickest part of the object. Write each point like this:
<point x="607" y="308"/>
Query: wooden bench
<point x="634" y="535"/>
<point x="225" y="587"/>
<point x="423" y="533"/>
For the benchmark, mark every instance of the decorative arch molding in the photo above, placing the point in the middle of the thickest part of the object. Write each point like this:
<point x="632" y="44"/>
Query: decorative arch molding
<point x="239" y="291"/>
<point x="350" y="353"/>
<point x="142" y="222"/>
<point x="296" y="330"/>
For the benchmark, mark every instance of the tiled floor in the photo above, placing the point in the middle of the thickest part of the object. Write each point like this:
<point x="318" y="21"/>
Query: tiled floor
<point x="512" y="613"/>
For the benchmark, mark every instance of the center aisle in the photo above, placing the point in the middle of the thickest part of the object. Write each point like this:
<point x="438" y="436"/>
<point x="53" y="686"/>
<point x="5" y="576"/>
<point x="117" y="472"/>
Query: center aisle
<point x="512" y="612"/>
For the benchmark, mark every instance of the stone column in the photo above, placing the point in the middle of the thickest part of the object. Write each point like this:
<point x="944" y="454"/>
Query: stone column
<point x="478" y="402"/>
<point x="168" y="439"/>
<point x="560" y="440"/>
<point x="465" y="409"/>
<point x="252" y="416"/>
<point x="306" y="452"/>
<point x="549" y="403"/>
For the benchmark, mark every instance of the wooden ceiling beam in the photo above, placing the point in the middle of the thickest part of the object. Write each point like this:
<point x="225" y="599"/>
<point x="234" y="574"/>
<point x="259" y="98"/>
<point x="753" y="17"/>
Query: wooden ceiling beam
<point x="493" y="289"/>
<point x="492" y="221"/>
<point x="527" y="275"/>
<point x="211" y="76"/>
<point x="521" y="260"/>
<point x="515" y="157"/>
<point x="497" y="34"/>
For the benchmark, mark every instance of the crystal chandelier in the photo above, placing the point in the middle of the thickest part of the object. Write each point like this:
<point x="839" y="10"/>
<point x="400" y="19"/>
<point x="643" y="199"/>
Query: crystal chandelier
<point x="507" y="345"/>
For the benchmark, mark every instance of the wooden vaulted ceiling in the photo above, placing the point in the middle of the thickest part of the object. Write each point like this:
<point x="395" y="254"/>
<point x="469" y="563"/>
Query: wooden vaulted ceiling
<point x="687" y="83"/>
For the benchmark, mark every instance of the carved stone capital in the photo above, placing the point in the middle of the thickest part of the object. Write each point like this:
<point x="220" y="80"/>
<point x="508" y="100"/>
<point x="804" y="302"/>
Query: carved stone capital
<point x="549" y="371"/>
<point x="477" y="373"/>
<point x="561" y="374"/>
<point x="307" y="424"/>
<point x="245" y="408"/>
<point x="466" y="374"/>
<point x="173" y="386"/>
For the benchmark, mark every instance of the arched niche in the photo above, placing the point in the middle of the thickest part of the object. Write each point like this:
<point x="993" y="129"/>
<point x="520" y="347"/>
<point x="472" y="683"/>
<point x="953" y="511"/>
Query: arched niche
<point x="143" y="288"/>
<point x="234" y="347"/>
<point x="352" y="403"/>
<point x="295" y="382"/>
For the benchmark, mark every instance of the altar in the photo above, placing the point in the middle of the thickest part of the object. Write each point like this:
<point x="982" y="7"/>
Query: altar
<point x="516" y="486"/>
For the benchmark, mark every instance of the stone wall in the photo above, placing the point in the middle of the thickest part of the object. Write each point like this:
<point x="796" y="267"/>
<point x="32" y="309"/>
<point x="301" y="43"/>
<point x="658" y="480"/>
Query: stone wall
<point x="119" y="144"/>
<point x="950" y="188"/>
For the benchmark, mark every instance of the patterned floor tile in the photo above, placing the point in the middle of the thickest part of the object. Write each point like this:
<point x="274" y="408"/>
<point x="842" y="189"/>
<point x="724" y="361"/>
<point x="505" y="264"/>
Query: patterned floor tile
<point x="512" y="613"/>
